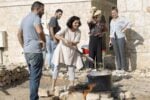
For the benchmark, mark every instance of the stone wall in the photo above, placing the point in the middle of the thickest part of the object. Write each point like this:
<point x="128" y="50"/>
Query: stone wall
<point x="138" y="49"/>
<point x="12" y="12"/>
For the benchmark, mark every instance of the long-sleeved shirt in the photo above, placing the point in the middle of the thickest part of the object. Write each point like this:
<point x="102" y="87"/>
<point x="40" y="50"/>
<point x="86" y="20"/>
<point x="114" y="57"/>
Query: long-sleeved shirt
<point x="96" y="29"/>
<point x="117" y="25"/>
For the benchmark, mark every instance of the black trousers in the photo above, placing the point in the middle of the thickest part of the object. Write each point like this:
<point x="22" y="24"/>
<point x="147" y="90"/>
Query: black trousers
<point x="95" y="50"/>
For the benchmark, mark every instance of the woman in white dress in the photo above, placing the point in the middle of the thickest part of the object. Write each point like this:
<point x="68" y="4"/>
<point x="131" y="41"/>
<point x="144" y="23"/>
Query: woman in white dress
<point x="65" y="51"/>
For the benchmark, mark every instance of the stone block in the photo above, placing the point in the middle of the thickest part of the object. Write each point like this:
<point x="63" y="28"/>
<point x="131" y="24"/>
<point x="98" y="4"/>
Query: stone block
<point x="122" y="5"/>
<point x="64" y="95"/>
<point x="146" y="29"/>
<point x="121" y="96"/>
<point x="134" y="5"/>
<point x="75" y="96"/>
<point x="43" y="92"/>
<point x="93" y="96"/>
<point x="129" y="95"/>
<point x="61" y="75"/>
<point x="107" y="99"/>
<point x="138" y="19"/>
<point x="54" y="98"/>
<point x="58" y="90"/>
<point x="105" y="95"/>
<point x="146" y="3"/>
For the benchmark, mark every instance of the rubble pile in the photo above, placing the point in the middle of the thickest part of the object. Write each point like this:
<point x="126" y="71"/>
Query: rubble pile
<point x="11" y="74"/>
<point x="143" y="73"/>
<point x="126" y="96"/>
<point x="117" y="76"/>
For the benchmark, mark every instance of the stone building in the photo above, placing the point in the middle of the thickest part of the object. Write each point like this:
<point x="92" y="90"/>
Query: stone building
<point x="138" y="49"/>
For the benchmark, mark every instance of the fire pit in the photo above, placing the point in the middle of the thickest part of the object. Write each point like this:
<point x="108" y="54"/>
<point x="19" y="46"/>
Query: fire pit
<point x="99" y="83"/>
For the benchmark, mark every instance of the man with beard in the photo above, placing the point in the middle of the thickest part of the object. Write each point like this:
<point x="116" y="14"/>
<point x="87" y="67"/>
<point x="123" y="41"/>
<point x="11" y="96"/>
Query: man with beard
<point x="32" y="39"/>
<point x="51" y="41"/>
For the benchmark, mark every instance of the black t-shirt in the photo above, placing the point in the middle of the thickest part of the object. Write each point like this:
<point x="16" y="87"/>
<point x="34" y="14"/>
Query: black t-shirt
<point x="54" y="23"/>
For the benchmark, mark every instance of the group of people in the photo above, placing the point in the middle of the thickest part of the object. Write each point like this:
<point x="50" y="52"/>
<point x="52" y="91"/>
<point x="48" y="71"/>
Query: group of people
<point x="61" y="44"/>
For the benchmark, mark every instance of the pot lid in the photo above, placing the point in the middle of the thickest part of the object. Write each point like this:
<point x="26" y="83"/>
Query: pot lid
<point x="100" y="73"/>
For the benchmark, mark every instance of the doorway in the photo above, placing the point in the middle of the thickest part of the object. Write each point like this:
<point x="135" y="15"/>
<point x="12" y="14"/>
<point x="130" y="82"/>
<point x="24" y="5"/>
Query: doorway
<point x="105" y="6"/>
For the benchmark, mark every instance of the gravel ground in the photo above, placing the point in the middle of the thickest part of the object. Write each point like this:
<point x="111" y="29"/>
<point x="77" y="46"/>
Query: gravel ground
<point x="139" y="86"/>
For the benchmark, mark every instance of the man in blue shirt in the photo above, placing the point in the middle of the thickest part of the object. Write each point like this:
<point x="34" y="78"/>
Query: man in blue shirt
<point x="32" y="39"/>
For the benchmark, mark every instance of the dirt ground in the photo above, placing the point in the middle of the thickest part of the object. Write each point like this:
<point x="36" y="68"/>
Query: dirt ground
<point x="140" y="87"/>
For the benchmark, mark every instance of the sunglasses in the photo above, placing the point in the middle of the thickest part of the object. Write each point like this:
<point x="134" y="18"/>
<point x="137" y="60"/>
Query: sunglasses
<point x="95" y="17"/>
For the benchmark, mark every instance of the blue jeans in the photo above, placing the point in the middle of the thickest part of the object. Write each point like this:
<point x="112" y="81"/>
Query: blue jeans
<point x="50" y="46"/>
<point x="35" y="64"/>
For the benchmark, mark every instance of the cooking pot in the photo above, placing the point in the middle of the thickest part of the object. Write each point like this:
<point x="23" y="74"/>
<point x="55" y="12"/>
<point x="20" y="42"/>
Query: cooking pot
<point x="101" y="79"/>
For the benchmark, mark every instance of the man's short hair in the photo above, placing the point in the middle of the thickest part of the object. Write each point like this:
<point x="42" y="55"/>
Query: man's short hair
<point x="59" y="10"/>
<point x="36" y="5"/>
<point x="115" y="8"/>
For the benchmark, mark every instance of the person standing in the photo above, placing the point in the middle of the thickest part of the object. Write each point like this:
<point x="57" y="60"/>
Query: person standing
<point x="32" y="39"/>
<point x="97" y="28"/>
<point x="66" y="50"/>
<point x="118" y="26"/>
<point x="52" y="42"/>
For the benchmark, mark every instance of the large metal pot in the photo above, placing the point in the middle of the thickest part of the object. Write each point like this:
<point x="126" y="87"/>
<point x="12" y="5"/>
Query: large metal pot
<point x="101" y="79"/>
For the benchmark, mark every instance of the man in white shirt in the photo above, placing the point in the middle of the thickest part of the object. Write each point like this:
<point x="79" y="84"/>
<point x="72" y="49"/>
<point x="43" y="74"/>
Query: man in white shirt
<point x="118" y="26"/>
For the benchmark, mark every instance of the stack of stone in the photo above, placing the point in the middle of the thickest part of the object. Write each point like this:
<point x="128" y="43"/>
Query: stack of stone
<point x="142" y="73"/>
<point x="89" y="96"/>
<point x="126" y="96"/>
<point x="12" y="74"/>
<point x="96" y="96"/>
<point x="99" y="96"/>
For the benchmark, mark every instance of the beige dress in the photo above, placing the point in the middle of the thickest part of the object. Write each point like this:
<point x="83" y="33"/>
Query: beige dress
<point x="64" y="54"/>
